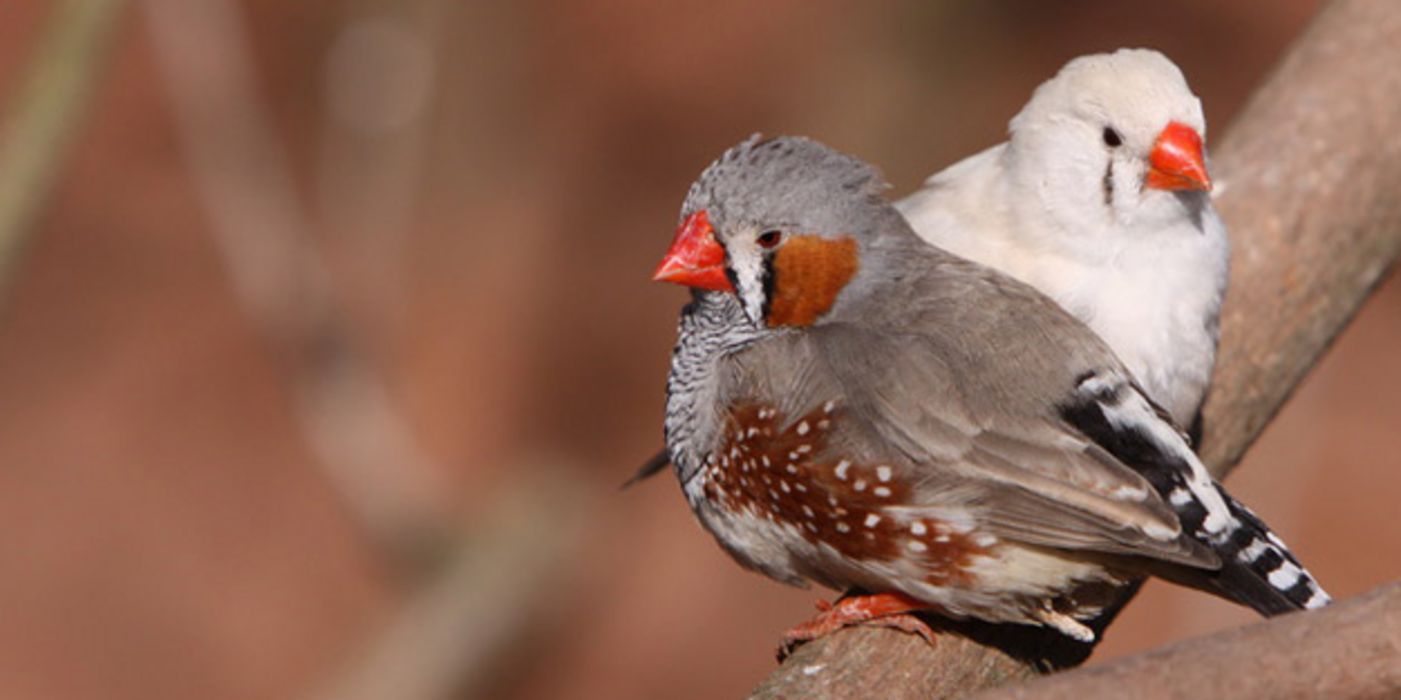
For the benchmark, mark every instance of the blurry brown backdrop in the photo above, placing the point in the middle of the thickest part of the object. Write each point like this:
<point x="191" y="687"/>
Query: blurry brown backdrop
<point x="325" y="358"/>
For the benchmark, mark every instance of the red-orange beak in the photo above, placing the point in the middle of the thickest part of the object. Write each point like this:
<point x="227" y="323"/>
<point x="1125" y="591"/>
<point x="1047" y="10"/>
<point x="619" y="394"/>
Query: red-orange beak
<point x="1176" y="162"/>
<point x="695" y="258"/>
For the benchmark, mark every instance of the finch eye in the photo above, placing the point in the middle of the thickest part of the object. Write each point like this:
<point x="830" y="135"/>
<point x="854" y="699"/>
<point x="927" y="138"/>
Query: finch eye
<point x="1112" y="138"/>
<point x="768" y="239"/>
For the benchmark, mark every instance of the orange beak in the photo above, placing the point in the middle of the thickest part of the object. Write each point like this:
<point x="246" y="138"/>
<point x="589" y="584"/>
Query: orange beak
<point x="1176" y="162"/>
<point x="695" y="258"/>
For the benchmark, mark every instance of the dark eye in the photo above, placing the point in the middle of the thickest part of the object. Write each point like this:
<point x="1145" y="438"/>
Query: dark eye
<point x="1112" y="138"/>
<point x="768" y="239"/>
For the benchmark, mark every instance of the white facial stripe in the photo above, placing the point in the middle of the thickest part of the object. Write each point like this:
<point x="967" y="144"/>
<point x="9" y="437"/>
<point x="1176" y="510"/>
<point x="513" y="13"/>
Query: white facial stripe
<point x="746" y="259"/>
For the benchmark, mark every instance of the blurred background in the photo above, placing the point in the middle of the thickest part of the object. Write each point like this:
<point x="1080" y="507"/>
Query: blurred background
<point x="328" y="339"/>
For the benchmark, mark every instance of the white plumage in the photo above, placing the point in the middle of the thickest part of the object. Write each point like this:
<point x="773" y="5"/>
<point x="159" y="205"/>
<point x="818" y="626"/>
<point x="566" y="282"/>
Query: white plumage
<point x="1063" y="208"/>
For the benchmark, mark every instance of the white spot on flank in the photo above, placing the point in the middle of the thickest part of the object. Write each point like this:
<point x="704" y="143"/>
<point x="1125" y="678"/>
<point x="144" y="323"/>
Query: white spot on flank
<point x="843" y="527"/>
<point x="827" y="407"/>
<point x="800" y="487"/>
<point x="803" y="428"/>
<point x="765" y="460"/>
<point x="881" y="491"/>
<point x="808" y="511"/>
<point x="941" y="537"/>
<point x="810" y="526"/>
<point x="883" y="473"/>
<point x="917" y="546"/>
<point x="751" y="432"/>
<point x="872" y="520"/>
<point x="784" y="485"/>
<point x="918" y="528"/>
<point x="859" y="485"/>
<point x="824" y="424"/>
<point x="791" y="469"/>
<point x="840" y="471"/>
<point x="803" y="449"/>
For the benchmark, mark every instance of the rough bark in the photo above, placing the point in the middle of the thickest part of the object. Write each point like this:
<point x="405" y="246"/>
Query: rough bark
<point x="1310" y="173"/>
<point x="1350" y="650"/>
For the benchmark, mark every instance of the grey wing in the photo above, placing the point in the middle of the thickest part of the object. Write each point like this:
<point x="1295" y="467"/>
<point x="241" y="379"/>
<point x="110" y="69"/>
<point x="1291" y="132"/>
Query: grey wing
<point x="1000" y="448"/>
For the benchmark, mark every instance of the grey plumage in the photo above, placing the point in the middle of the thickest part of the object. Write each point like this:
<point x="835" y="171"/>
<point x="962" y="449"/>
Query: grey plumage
<point x="934" y="404"/>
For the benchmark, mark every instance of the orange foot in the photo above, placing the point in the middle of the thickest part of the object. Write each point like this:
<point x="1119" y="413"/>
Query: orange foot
<point x="882" y="609"/>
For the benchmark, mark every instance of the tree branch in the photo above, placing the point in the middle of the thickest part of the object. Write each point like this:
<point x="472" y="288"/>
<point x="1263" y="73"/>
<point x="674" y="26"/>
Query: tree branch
<point x="1311" y="171"/>
<point x="1351" y="649"/>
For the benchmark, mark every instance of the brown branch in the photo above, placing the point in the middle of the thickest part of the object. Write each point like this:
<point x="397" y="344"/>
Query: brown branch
<point x="1312" y="169"/>
<point x="1350" y="650"/>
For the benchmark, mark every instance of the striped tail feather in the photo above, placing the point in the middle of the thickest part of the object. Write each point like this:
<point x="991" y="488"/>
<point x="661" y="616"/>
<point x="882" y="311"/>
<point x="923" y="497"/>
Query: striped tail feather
<point x="1258" y="570"/>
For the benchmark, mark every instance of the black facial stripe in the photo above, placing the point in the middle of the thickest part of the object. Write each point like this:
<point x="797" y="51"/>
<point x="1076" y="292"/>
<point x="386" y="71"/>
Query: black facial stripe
<point x="1109" y="184"/>
<point x="732" y="277"/>
<point x="768" y="278"/>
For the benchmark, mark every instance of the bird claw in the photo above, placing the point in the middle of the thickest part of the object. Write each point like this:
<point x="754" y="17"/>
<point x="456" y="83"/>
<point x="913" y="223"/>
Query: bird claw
<point x="881" y="610"/>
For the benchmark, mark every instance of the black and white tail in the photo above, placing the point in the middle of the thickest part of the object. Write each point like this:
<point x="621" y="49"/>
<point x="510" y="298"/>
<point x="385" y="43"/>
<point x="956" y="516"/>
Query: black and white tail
<point x="1258" y="570"/>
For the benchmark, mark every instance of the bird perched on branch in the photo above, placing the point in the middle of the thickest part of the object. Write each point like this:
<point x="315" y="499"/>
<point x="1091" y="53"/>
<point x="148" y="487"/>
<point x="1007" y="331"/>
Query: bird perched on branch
<point x="850" y="405"/>
<point x="1100" y="199"/>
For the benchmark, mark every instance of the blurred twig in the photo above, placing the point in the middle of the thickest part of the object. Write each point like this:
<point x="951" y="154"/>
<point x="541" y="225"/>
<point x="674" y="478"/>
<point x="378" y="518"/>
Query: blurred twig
<point x="487" y="585"/>
<point x="241" y="171"/>
<point x="380" y="85"/>
<point x="1313" y="166"/>
<point x="45" y="114"/>
<point x="496" y="589"/>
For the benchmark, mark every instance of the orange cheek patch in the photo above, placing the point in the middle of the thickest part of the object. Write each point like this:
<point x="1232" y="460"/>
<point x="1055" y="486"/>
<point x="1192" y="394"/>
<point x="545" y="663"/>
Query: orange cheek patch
<point x="809" y="272"/>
